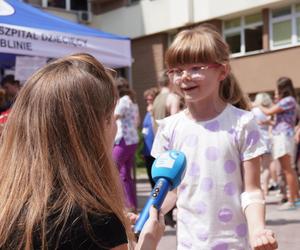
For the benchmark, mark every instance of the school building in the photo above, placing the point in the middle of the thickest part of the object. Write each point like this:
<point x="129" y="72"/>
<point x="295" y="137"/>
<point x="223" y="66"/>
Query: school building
<point x="264" y="35"/>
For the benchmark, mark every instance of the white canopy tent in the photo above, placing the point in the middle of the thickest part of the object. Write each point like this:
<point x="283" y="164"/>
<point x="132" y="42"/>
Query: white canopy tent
<point x="25" y="30"/>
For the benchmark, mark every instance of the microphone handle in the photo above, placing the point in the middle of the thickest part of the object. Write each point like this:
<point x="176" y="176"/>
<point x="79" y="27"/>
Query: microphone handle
<point x="156" y="199"/>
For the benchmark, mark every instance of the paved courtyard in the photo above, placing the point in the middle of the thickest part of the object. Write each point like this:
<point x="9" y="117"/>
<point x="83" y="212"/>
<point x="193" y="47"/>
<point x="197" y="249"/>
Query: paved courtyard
<point x="286" y="225"/>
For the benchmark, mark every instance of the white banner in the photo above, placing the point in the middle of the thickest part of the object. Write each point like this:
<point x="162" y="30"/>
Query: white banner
<point x="27" y="65"/>
<point x="37" y="42"/>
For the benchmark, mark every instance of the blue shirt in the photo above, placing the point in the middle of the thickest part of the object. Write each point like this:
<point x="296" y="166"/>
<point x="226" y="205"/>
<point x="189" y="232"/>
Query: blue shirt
<point x="148" y="134"/>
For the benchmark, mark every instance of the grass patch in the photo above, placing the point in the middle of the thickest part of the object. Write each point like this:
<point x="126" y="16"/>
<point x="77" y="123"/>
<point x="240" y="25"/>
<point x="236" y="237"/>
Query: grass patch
<point x="140" y="171"/>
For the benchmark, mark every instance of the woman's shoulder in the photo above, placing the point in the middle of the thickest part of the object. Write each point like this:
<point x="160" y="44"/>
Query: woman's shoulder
<point x="93" y="231"/>
<point x="288" y="99"/>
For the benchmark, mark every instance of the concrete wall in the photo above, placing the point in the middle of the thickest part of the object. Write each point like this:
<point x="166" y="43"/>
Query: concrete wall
<point x="259" y="72"/>
<point x="146" y="17"/>
<point x="70" y="15"/>
<point x="149" y="17"/>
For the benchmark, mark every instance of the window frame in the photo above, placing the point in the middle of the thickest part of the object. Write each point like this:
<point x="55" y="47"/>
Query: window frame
<point x="67" y="8"/>
<point x="241" y="30"/>
<point x="292" y="18"/>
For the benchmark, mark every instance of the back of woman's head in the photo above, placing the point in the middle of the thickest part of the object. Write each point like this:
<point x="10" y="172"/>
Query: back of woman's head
<point x="285" y="87"/>
<point x="54" y="156"/>
<point x="205" y="45"/>
<point x="263" y="99"/>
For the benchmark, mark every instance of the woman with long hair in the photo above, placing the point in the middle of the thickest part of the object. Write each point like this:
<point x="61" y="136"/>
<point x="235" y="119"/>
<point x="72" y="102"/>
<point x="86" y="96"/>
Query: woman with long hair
<point x="59" y="188"/>
<point x="126" y="140"/>
<point x="283" y="136"/>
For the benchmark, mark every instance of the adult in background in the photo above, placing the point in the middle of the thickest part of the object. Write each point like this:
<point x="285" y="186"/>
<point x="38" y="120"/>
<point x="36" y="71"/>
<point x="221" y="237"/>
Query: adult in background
<point x="148" y="131"/>
<point x="283" y="136"/>
<point x="12" y="88"/>
<point x="59" y="187"/>
<point x="126" y="140"/>
<point x="264" y="122"/>
<point x="166" y="102"/>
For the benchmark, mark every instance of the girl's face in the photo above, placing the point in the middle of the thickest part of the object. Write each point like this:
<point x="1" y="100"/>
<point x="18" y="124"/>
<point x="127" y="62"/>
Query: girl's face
<point x="149" y="99"/>
<point x="110" y="132"/>
<point x="197" y="82"/>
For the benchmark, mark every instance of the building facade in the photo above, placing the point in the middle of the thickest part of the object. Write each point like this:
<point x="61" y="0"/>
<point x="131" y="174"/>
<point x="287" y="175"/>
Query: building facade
<point x="264" y="35"/>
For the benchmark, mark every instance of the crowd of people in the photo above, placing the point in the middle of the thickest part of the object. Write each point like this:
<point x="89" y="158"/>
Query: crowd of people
<point x="68" y="149"/>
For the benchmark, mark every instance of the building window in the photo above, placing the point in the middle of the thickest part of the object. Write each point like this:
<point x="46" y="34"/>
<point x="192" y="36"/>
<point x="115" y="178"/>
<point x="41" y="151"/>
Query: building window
<point x="285" y="26"/>
<point x="67" y="4"/>
<point x="57" y="4"/>
<point x="244" y="34"/>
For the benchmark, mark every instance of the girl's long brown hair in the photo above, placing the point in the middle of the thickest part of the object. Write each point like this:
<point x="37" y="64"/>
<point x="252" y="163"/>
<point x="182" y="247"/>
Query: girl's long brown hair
<point x="54" y="157"/>
<point x="204" y="44"/>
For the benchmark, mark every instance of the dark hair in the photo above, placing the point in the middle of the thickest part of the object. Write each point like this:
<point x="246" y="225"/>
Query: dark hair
<point x="124" y="89"/>
<point x="10" y="79"/>
<point x="285" y="87"/>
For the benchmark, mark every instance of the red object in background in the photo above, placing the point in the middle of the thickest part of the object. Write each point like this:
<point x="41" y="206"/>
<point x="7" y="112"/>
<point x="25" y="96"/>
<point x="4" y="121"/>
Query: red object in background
<point x="4" y="116"/>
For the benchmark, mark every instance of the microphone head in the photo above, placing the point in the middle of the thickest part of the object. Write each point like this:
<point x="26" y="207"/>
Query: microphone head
<point x="170" y="165"/>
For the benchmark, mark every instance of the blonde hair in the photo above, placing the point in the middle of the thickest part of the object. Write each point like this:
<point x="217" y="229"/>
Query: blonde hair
<point x="54" y="157"/>
<point x="204" y="44"/>
<point x="263" y="99"/>
<point x="153" y="91"/>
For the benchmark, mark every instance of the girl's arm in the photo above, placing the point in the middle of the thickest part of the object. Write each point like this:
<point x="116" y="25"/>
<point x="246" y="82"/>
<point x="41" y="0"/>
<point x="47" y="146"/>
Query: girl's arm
<point x="260" y="237"/>
<point x="169" y="201"/>
<point x="275" y="109"/>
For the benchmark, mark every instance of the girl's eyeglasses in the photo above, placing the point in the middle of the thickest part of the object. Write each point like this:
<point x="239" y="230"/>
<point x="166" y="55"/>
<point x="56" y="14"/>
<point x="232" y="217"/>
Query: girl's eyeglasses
<point x="195" y="71"/>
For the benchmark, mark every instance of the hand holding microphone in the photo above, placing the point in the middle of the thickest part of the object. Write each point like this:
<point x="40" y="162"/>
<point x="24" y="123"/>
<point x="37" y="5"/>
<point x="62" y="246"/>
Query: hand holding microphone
<point x="167" y="172"/>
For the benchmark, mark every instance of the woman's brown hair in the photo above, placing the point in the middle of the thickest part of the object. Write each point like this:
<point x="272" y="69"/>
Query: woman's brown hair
<point x="204" y="44"/>
<point x="285" y="87"/>
<point x="54" y="157"/>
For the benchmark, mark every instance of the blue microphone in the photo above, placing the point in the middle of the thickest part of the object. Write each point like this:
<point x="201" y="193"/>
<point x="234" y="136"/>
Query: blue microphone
<point x="167" y="171"/>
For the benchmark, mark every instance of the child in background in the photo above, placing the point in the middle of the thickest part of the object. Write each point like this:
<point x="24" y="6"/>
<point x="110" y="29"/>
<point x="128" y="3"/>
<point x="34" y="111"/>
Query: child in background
<point x="264" y="122"/>
<point x="283" y="136"/>
<point x="148" y="131"/>
<point x="220" y="203"/>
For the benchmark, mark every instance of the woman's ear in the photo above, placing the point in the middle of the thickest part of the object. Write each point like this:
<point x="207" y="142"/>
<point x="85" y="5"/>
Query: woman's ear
<point x="224" y="71"/>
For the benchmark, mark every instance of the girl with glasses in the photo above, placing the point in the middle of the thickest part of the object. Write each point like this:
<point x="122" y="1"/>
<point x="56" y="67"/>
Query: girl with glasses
<point x="220" y="203"/>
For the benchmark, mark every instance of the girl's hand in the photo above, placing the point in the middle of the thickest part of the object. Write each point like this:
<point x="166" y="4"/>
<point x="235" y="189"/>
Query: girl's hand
<point x="264" y="240"/>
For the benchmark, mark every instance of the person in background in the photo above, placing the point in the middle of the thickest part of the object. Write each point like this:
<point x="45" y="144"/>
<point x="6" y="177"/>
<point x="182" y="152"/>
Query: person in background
<point x="283" y="136"/>
<point x="220" y="204"/>
<point x="126" y="140"/>
<point x="148" y="131"/>
<point x="59" y="186"/>
<point x="166" y="102"/>
<point x="12" y="88"/>
<point x="264" y="122"/>
<point x="3" y="114"/>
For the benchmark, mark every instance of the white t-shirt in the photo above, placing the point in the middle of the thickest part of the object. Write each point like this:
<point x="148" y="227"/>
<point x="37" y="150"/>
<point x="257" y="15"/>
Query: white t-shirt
<point x="209" y="213"/>
<point x="127" y="123"/>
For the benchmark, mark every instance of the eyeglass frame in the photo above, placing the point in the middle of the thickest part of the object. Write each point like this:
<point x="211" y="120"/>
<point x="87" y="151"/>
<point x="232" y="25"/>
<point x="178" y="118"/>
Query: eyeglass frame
<point x="202" y="68"/>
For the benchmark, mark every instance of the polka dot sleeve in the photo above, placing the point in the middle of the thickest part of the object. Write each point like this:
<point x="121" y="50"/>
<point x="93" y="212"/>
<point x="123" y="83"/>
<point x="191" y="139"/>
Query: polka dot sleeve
<point x="250" y="142"/>
<point x="162" y="139"/>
